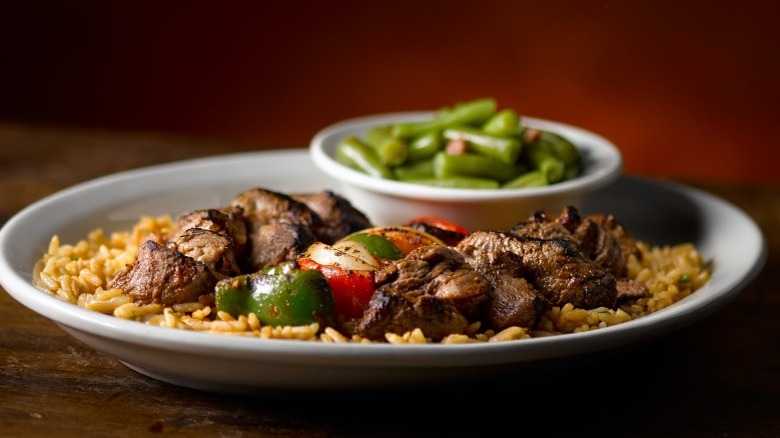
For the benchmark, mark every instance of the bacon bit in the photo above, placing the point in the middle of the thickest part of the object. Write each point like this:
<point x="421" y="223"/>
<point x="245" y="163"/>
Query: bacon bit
<point x="456" y="147"/>
<point x="531" y="135"/>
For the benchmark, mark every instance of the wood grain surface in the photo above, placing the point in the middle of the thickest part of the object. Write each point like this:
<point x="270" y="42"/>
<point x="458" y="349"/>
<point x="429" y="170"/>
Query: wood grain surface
<point x="716" y="378"/>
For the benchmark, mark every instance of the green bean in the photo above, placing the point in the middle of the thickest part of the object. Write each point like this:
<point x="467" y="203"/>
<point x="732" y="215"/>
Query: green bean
<point x="406" y="130"/>
<point x="376" y="135"/>
<point x="506" y="149"/>
<point x="354" y="153"/>
<point x="460" y="182"/>
<point x="532" y="178"/>
<point x="424" y="146"/>
<point x="418" y="170"/>
<point x="505" y="123"/>
<point x="560" y="147"/>
<point x="553" y="169"/>
<point x="390" y="150"/>
<point x="473" y="165"/>
<point x="541" y="157"/>
<point x="469" y="140"/>
<point x="474" y="112"/>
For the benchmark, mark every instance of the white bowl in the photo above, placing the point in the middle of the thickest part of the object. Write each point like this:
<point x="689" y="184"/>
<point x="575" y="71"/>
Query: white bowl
<point x="389" y="202"/>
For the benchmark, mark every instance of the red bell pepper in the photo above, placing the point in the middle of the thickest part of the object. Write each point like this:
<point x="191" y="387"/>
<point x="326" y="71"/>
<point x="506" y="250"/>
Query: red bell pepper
<point x="352" y="289"/>
<point x="449" y="232"/>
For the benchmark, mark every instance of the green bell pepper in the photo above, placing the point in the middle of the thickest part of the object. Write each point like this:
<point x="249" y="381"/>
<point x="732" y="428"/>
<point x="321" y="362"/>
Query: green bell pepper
<point x="378" y="246"/>
<point x="280" y="295"/>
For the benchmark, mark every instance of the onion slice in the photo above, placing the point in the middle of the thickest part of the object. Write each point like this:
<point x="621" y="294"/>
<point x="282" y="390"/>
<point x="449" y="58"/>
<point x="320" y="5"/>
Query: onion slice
<point x="346" y="255"/>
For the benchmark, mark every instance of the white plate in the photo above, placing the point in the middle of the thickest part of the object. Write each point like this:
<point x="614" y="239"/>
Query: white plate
<point x="652" y="211"/>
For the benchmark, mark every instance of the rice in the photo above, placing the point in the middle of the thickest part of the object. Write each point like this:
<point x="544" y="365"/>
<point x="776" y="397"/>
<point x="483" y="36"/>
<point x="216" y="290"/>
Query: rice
<point x="80" y="274"/>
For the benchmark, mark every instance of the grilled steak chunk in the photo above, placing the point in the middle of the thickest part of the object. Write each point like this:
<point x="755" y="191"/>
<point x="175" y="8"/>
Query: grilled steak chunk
<point x="626" y="242"/>
<point x="274" y="243"/>
<point x="541" y="226"/>
<point x="162" y="275"/>
<point x="388" y="312"/>
<point x="556" y="267"/>
<point x="279" y="227"/>
<point x="227" y="221"/>
<point x="432" y="288"/>
<point x="513" y="300"/>
<point x="339" y="216"/>
<point x="214" y="249"/>
<point x="628" y="289"/>
<point x="439" y="271"/>
<point x="599" y="237"/>
<point x="262" y="207"/>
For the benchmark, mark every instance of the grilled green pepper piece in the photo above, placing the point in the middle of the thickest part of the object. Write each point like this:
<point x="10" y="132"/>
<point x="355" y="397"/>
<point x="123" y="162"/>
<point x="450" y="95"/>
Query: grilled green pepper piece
<point x="378" y="246"/>
<point x="280" y="295"/>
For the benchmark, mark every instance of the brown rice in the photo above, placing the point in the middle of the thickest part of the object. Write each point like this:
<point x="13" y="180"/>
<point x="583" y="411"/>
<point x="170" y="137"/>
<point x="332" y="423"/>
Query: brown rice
<point x="79" y="273"/>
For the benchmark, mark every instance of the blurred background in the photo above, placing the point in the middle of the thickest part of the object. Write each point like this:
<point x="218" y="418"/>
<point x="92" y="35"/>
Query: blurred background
<point x="686" y="89"/>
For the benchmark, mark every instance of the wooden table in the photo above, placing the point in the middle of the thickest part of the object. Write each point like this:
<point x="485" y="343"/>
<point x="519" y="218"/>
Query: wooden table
<point x="719" y="377"/>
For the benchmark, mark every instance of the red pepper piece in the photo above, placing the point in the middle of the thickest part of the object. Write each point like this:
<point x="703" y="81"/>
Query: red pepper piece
<point x="351" y="289"/>
<point x="449" y="232"/>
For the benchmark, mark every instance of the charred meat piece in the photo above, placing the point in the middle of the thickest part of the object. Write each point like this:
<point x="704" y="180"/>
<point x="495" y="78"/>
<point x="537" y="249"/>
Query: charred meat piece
<point x="513" y="300"/>
<point x="279" y="227"/>
<point x="388" y="312"/>
<point x="626" y="242"/>
<point x="555" y="267"/>
<point x="439" y="271"/>
<point x="432" y="288"/>
<point x="227" y="221"/>
<point x="594" y="240"/>
<point x="162" y="275"/>
<point x="541" y="226"/>
<point x="339" y="216"/>
<point x="630" y="289"/>
<point x="262" y="207"/>
<point x="215" y="250"/>
<point x="274" y="243"/>
<point x="600" y="238"/>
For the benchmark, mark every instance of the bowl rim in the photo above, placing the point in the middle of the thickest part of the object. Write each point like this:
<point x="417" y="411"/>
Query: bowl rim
<point x="604" y="162"/>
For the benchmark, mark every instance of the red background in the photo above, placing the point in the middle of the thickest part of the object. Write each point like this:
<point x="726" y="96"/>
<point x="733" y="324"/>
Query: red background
<point x="686" y="89"/>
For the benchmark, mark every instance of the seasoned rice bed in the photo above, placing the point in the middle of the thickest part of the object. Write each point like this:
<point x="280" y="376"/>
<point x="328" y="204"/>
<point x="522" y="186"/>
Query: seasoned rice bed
<point x="79" y="274"/>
